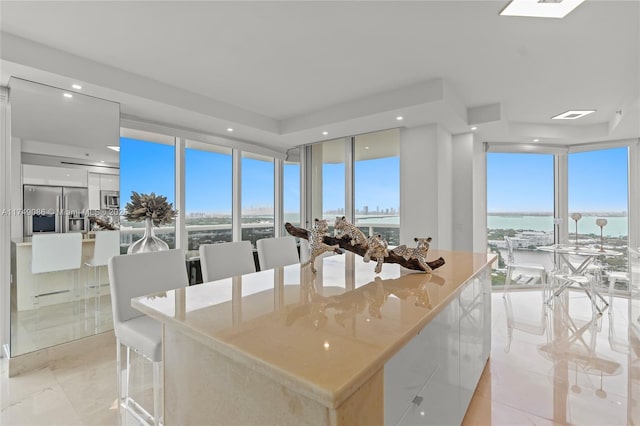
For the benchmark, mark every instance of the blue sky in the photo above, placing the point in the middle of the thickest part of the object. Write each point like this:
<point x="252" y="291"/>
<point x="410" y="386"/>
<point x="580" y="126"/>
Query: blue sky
<point x="149" y="167"/>
<point x="515" y="182"/>
<point x="524" y="182"/>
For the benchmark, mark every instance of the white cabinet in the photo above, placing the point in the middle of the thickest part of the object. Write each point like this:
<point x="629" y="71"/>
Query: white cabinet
<point x="408" y="371"/>
<point x="432" y="379"/>
<point x="53" y="176"/>
<point x="109" y="183"/>
<point x="100" y="182"/>
<point x="94" y="191"/>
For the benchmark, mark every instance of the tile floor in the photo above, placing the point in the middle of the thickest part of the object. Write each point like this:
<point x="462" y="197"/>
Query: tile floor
<point x="548" y="367"/>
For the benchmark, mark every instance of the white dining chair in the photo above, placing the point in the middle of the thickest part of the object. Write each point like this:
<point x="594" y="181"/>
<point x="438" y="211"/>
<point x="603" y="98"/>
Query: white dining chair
<point x="106" y="245"/>
<point x="55" y="253"/>
<point x="225" y="260"/>
<point x="132" y="276"/>
<point x="279" y="251"/>
<point x="522" y="274"/>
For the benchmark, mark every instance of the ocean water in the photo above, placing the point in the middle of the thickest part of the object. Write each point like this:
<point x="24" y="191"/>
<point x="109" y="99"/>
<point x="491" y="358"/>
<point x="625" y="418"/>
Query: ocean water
<point x="617" y="226"/>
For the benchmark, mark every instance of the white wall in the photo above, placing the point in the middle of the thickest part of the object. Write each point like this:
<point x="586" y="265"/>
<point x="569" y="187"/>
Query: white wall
<point x="426" y="185"/>
<point x="445" y="190"/>
<point x="442" y="188"/>
<point x="469" y="194"/>
<point x="479" y="196"/>
<point x="463" y="192"/>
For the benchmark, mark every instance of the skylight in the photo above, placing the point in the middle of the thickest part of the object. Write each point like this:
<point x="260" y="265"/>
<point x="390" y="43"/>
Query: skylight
<point x="540" y="8"/>
<point x="573" y="114"/>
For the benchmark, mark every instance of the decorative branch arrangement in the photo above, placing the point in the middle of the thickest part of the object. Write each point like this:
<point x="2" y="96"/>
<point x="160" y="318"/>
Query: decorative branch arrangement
<point x="361" y="250"/>
<point x="105" y="224"/>
<point x="149" y="206"/>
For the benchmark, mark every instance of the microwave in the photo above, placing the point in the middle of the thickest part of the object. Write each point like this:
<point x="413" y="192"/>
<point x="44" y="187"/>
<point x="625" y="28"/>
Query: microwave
<point x="110" y="199"/>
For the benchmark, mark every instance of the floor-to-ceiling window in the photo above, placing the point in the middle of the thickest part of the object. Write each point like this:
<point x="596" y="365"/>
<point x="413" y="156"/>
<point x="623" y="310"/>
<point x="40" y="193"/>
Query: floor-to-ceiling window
<point x="377" y="183"/>
<point x="208" y="198"/>
<point x="291" y="188"/>
<point x="359" y="176"/>
<point x="598" y="189"/>
<point x="521" y="197"/>
<point x="520" y="205"/>
<point x="327" y="180"/>
<point x="147" y="166"/>
<point x="257" y="191"/>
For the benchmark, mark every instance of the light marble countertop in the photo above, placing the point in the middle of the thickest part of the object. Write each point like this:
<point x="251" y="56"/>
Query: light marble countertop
<point x="323" y="335"/>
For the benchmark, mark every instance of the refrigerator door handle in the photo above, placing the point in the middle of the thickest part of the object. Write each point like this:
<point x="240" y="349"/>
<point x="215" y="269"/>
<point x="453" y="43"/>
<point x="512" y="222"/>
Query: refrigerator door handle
<point x="29" y="223"/>
<point x="59" y="215"/>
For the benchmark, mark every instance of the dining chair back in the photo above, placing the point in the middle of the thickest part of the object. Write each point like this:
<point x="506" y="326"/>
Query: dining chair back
<point x="522" y="274"/>
<point x="225" y="260"/>
<point x="279" y="251"/>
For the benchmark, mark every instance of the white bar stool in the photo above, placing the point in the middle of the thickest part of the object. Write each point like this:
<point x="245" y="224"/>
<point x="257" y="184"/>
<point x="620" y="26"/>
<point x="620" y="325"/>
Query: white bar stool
<point x="106" y="245"/>
<point x="279" y="251"/>
<point x="132" y="276"/>
<point x="55" y="253"/>
<point x="226" y="260"/>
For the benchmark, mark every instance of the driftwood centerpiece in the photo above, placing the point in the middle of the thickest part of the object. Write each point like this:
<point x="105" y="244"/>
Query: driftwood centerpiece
<point x="345" y="243"/>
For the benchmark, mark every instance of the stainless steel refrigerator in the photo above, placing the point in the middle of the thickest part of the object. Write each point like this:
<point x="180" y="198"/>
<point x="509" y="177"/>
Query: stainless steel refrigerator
<point x="55" y="209"/>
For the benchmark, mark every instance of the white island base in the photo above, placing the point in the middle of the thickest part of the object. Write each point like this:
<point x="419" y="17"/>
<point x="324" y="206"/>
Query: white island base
<point x="342" y="347"/>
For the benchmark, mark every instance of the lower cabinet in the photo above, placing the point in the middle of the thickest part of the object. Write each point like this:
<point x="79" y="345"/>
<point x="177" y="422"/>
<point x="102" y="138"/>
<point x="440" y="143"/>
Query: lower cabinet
<point x="432" y="379"/>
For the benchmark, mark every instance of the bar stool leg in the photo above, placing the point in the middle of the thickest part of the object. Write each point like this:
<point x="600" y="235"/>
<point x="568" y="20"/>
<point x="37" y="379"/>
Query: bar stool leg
<point x="157" y="393"/>
<point x="119" y="380"/>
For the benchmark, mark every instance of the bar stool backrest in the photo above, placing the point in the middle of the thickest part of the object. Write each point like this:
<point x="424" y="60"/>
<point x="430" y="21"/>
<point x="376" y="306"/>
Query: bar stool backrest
<point x="274" y="252"/>
<point x="226" y="260"/>
<point x="56" y="252"/>
<point x="136" y="275"/>
<point x="106" y="246"/>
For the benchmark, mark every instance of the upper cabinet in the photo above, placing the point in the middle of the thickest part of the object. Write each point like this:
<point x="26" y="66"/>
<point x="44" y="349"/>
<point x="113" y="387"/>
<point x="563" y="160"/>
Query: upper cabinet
<point x="53" y="176"/>
<point x="101" y="182"/>
<point x="109" y="183"/>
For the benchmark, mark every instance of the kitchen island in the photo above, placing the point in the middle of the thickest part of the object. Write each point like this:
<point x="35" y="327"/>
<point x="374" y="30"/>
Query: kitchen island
<point x="340" y="347"/>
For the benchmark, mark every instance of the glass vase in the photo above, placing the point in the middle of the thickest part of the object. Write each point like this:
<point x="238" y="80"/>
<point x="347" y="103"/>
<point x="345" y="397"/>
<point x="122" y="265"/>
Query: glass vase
<point x="148" y="242"/>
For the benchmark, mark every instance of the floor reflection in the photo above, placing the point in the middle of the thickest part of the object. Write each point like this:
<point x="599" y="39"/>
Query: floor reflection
<point x="558" y="365"/>
<point x="60" y="323"/>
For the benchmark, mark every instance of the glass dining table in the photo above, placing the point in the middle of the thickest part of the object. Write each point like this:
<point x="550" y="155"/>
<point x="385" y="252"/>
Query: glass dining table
<point x="568" y="272"/>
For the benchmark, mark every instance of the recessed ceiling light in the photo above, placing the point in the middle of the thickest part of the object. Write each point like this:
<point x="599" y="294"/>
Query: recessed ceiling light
<point x="325" y="133"/>
<point x="366" y="147"/>
<point x="540" y="8"/>
<point x="68" y="175"/>
<point x="68" y="95"/>
<point x="114" y="147"/>
<point x="76" y="86"/>
<point x="102" y="161"/>
<point x="229" y="129"/>
<point x="399" y="118"/>
<point x="536" y="140"/>
<point x="474" y="128"/>
<point x="573" y="114"/>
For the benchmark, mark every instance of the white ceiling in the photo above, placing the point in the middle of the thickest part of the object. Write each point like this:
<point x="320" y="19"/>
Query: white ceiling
<point x="280" y="73"/>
